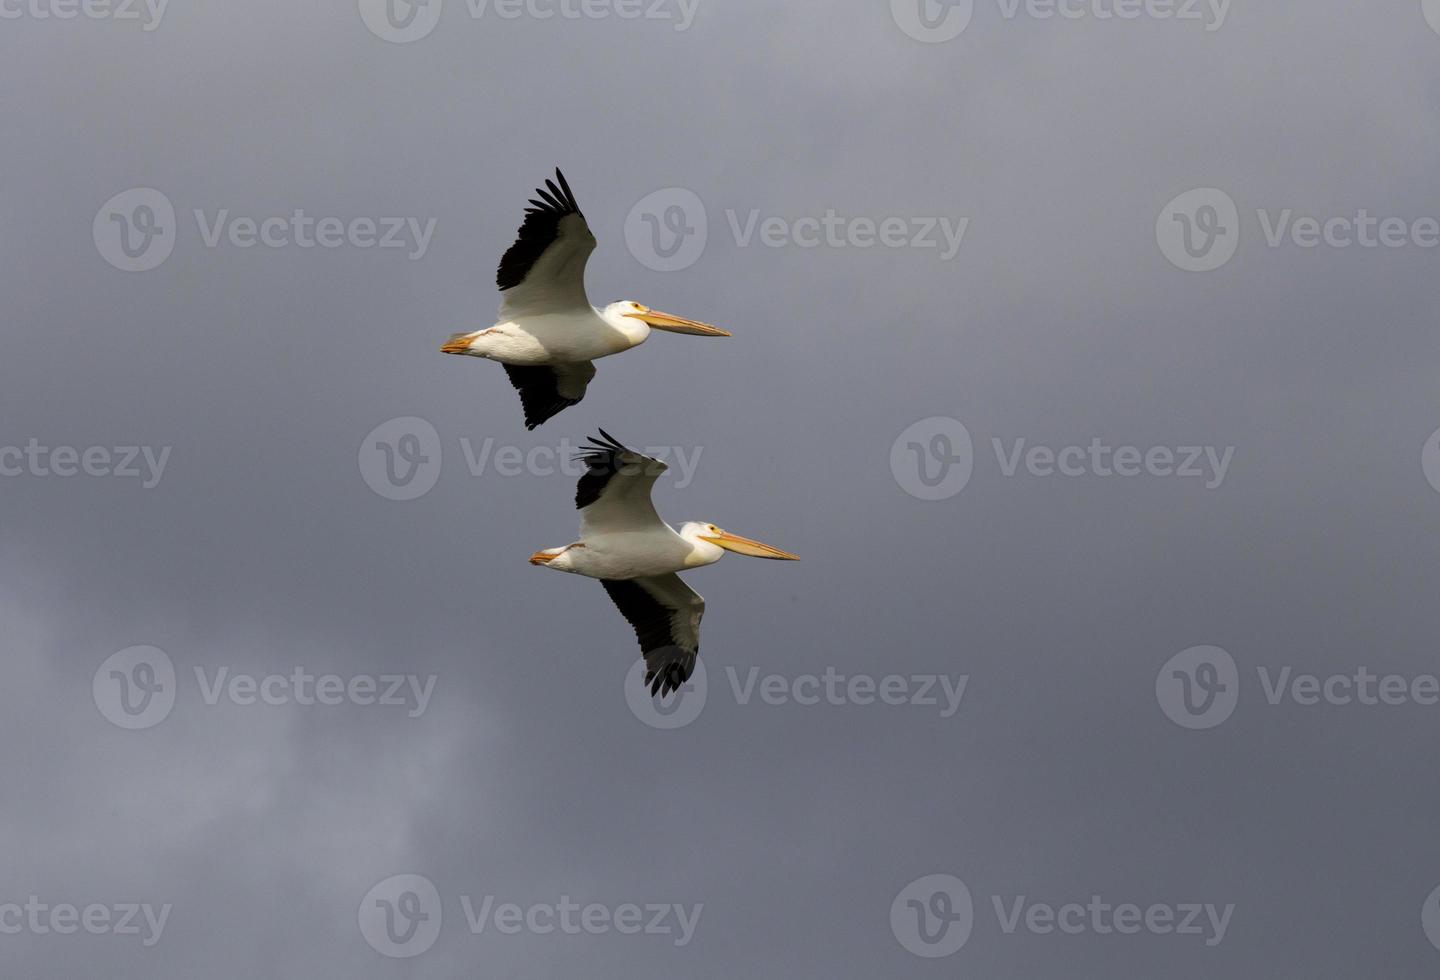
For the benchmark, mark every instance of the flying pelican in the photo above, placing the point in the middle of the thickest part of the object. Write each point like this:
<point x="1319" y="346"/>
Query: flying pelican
<point x="548" y="333"/>
<point x="635" y="555"/>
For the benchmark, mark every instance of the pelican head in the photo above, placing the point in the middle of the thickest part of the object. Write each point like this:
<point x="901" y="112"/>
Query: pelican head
<point x="624" y="313"/>
<point x="712" y="542"/>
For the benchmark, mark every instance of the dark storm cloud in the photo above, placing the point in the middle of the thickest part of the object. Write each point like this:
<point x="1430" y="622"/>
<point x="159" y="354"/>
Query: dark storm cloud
<point x="824" y="147"/>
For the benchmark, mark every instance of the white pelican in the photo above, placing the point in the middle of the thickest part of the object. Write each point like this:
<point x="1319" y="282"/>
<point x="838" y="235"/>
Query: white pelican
<point x="548" y="333"/>
<point x="635" y="555"/>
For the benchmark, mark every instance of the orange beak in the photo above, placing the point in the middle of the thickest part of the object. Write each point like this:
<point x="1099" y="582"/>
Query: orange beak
<point x="748" y="546"/>
<point x="678" y="324"/>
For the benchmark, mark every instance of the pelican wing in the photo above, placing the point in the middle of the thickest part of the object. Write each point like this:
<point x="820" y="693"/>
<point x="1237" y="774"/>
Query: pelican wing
<point x="666" y="615"/>
<point x="614" y="493"/>
<point x="544" y="271"/>
<point x="549" y="389"/>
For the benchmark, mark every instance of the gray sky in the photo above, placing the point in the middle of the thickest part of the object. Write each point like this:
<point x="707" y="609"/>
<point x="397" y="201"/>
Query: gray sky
<point x="523" y="776"/>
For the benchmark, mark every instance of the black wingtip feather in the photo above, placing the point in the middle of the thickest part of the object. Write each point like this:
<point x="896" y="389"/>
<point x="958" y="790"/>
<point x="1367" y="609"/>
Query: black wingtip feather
<point x="602" y="461"/>
<point x="539" y="393"/>
<point x="541" y="225"/>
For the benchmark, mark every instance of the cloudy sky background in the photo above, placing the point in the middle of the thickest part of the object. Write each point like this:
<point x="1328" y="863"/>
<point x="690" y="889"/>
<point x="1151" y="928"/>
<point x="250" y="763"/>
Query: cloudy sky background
<point x="528" y="777"/>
